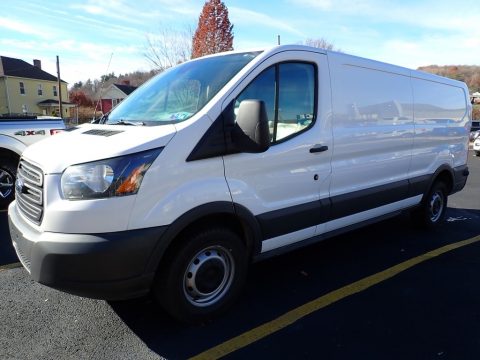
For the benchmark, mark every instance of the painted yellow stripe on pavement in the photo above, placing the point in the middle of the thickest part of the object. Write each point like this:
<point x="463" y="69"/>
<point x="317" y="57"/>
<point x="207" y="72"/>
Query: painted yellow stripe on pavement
<point x="298" y="313"/>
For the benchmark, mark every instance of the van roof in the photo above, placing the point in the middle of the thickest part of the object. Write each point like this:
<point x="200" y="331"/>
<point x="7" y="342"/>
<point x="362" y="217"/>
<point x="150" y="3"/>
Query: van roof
<point x="353" y="59"/>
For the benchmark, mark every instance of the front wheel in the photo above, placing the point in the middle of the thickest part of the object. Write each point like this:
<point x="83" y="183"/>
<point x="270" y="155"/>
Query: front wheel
<point x="203" y="275"/>
<point x="433" y="209"/>
<point x="8" y="171"/>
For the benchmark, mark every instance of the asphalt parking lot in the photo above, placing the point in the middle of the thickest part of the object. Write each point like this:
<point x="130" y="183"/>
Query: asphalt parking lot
<point x="387" y="291"/>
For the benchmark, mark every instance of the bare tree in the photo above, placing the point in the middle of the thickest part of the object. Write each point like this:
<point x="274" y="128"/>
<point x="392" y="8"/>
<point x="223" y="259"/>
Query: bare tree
<point x="168" y="47"/>
<point x="321" y="43"/>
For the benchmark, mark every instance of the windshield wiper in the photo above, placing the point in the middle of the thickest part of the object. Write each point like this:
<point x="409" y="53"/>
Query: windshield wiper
<point x="126" y="122"/>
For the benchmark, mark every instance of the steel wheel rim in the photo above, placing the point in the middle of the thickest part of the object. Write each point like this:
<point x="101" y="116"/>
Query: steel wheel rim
<point x="208" y="276"/>
<point x="436" y="206"/>
<point x="6" y="184"/>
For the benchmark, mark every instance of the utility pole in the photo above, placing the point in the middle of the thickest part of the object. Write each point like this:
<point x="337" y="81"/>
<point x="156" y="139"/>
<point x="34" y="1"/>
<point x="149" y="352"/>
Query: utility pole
<point x="278" y="39"/>
<point x="59" y="88"/>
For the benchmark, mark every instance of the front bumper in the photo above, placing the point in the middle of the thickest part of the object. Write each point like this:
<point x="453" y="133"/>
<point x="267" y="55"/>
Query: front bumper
<point x="460" y="174"/>
<point x="108" y="266"/>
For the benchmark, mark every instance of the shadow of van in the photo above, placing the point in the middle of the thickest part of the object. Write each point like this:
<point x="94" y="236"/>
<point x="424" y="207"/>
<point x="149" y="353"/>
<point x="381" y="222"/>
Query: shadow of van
<point x="282" y="283"/>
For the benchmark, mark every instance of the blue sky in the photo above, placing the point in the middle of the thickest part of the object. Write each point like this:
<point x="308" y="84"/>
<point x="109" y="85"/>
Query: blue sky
<point x="84" y="33"/>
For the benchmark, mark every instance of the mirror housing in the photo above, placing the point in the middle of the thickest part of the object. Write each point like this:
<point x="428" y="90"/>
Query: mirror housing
<point x="250" y="133"/>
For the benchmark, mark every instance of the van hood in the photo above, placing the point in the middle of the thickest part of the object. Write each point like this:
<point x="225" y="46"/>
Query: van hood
<point x="87" y="143"/>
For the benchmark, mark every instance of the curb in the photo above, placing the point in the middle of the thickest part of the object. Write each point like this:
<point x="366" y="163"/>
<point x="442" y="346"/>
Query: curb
<point x="10" y="266"/>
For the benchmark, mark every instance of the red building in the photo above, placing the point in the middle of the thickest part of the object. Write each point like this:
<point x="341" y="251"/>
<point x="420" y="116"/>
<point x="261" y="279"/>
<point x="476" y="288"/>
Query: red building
<point x="114" y="95"/>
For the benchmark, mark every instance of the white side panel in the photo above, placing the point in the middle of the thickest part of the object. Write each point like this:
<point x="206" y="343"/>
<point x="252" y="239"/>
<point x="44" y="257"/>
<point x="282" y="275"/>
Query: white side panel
<point x="372" y="123"/>
<point x="173" y="186"/>
<point x="441" y="126"/>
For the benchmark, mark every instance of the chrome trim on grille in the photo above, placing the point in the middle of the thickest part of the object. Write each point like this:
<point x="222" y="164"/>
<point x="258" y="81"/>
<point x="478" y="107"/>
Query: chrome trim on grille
<point x="31" y="173"/>
<point x="29" y="191"/>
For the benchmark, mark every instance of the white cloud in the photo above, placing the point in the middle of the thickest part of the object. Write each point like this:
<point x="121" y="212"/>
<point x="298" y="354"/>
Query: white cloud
<point x="247" y="45"/>
<point x="75" y="69"/>
<point x="190" y="8"/>
<point x="249" y="17"/>
<point x="430" y="50"/>
<point x="24" y="28"/>
<point x="317" y="4"/>
<point x="112" y="29"/>
<point x="431" y="14"/>
<point x="16" y="44"/>
<point x="115" y="9"/>
<point x="78" y="60"/>
<point x="341" y="6"/>
<point x="410" y="34"/>
<point x="92" y="9"/>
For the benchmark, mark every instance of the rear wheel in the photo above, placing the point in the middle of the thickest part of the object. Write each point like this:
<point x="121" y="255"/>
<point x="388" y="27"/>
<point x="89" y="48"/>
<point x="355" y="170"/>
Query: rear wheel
<point x="8" y="172"/>
<point x="432" y="211"/>
<point x="203" y="275"/>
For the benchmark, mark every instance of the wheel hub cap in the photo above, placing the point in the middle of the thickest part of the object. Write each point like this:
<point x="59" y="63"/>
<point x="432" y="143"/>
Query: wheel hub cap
<point x="6" y="184"/>
<point x="436" y="207"/>
<point x="208" y="276"/>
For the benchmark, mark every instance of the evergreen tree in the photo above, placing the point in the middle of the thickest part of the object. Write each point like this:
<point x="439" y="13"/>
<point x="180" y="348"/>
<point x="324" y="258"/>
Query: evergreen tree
<point x="214" y="32"/>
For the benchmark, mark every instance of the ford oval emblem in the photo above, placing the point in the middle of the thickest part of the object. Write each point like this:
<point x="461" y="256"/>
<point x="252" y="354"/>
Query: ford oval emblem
<point x="19" y="184"/>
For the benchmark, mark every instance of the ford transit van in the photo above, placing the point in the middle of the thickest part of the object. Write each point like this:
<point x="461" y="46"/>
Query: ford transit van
<point x="231" y="158"/>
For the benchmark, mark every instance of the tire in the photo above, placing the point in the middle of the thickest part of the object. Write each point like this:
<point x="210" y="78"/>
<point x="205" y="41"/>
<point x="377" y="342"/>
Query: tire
<point x="202" y="276"/>
<point x="432" y="211"/>
<point x="8" y="173"/>
<point x="477" y="153"/>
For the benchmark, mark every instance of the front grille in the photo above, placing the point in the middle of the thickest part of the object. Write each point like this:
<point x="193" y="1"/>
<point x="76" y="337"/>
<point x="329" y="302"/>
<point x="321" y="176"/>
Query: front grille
<point x="29" y="191"/>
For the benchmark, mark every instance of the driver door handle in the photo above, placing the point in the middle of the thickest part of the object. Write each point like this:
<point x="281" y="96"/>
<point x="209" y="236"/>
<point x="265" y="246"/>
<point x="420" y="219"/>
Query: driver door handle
<point x="318" y="148"/>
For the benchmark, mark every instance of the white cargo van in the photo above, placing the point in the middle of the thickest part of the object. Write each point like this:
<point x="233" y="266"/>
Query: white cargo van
<point x="231" y="158"/>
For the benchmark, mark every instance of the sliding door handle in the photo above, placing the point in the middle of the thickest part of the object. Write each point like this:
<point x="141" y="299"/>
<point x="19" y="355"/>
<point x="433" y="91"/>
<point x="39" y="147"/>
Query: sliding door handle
<point x="318" y="148"/>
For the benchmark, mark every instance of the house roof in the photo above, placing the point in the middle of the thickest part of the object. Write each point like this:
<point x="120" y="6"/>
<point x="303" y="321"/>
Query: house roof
<point x="52" y="102"/>
<point x="126" y="89"/>
<point x="19" y="68"/>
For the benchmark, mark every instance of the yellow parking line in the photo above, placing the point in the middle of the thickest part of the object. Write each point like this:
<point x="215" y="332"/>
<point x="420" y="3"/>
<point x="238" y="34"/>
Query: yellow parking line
<point x="10" y="266"/>
<point x="300" y="312"/>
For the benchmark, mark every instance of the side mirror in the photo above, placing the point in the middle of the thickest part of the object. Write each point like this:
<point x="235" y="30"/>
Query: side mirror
<point x="251" y="133"/>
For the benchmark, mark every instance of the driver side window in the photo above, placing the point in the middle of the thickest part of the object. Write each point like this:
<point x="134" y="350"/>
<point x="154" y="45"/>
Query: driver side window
<point x="288" y="91"/>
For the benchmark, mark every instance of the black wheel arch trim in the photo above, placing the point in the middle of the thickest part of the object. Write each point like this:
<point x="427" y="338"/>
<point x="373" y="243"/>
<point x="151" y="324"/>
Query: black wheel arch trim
<point x="457" y="177"/>
<point x="441" y="169"/>
<point x="248" y="221"/>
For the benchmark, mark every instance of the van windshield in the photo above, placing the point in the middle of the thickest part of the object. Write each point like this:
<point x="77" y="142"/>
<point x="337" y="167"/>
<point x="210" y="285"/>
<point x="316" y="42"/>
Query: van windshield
<point x="179" y="92"/>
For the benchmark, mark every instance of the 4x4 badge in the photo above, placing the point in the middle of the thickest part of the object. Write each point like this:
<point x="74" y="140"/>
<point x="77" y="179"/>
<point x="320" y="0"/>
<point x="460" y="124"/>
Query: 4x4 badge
<point x="30" y="132"/>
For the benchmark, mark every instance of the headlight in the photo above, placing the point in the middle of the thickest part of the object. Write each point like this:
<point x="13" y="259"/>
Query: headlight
<point x="118" y="176"/>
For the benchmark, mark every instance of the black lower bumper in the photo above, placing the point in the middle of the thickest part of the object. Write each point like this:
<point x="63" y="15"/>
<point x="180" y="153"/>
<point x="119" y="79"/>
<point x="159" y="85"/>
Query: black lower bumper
<point x="460" y="178"/>
<point x="108" y="266"/>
